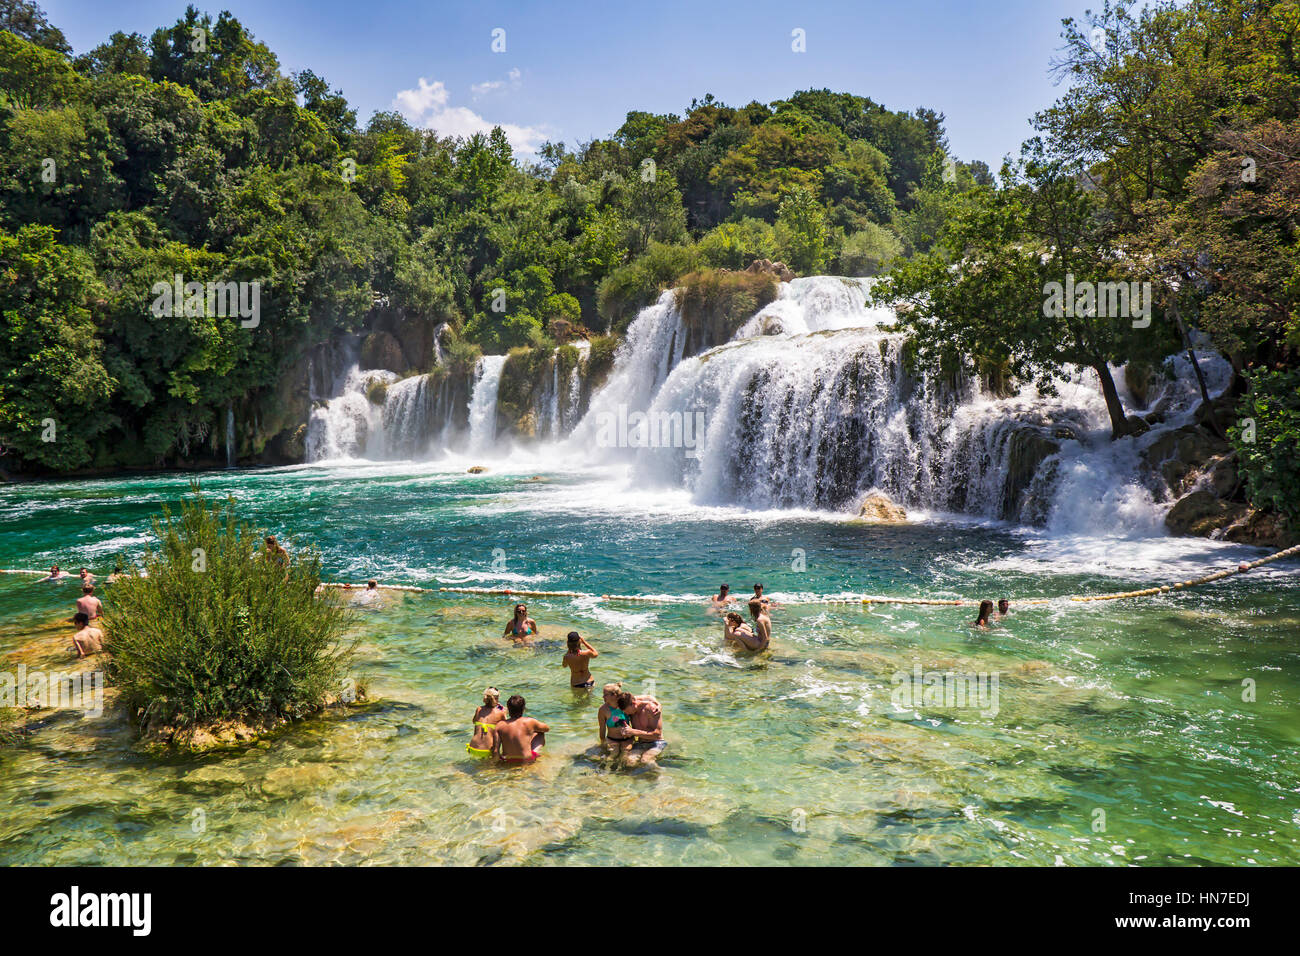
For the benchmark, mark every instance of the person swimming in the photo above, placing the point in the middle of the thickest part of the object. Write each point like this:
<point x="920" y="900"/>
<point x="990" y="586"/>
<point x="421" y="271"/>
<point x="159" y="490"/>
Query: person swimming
<point x="616" y="733"/>
<point x="722" y="598"/>
<point x="485" y="719"/>
<point x="519" y="739"/>
<point x="521" y="627"/>
<point x="986" y="608"/>
<point x="88" y="639"/>
<point x="762" y="622"/>
<point x="739" y="634"/>
<point x="56" y="574"/>
<point x="1004" y="608"/>
<point x="576" y="660"/>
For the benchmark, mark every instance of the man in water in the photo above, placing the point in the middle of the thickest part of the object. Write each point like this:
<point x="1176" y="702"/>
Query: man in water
<point x="1004" y="608"/>
<point x="56" y="574"/>
<point x="87" y="640"/>
<point x="646" y="717"/>
<point x="576" y="660"/>
<point x="88" y="604"/>
<point x="117" y="574"/>
<point x="519" y="739"/>
<point x="722" y="598"/>
<point x="758" y="595"/>
<point x="87" y="577"/>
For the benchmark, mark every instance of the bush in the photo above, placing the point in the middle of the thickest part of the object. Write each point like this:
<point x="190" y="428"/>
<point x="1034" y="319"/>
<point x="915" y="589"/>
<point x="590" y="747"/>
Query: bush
<point x="734" y="245"/>
<point x="600" y="361"/>
<point x="1267" y="439"/>
<point x="633" y="286"/>
<point x="462" y="357"/>
<point x="868" y="252"/>
<point x="216" y="631"/>
<point x="715" y="303"/>
<point x="377" y="392"/>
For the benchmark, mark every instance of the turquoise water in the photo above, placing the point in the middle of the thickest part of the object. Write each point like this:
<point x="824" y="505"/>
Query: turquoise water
<point x="1119" y="734"/>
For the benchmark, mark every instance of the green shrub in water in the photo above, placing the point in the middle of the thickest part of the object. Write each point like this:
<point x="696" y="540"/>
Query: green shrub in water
<point x="218" y="631"/>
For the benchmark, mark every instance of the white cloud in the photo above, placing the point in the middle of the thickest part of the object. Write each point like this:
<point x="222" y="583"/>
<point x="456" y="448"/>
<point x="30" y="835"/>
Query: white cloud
<point x="427" y="105"/>
<point x="491" y="86"/>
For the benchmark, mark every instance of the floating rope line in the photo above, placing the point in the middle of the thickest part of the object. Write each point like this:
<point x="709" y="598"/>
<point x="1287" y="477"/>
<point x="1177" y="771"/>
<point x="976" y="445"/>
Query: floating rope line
<point x="864" y="600"/>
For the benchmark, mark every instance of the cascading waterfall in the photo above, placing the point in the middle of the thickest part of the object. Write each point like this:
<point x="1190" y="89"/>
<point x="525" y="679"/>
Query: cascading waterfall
<point x="812" y="405"/>
<point x="483" y="403"/>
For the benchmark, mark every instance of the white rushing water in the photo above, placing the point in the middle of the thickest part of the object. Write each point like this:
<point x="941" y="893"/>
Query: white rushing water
<point x="811" y="405"/>
<point x="483" y="403"/>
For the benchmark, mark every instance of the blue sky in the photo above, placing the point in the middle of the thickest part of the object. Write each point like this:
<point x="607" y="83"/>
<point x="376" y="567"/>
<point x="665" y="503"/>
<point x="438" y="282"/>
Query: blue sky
<point x="572" y="69"/>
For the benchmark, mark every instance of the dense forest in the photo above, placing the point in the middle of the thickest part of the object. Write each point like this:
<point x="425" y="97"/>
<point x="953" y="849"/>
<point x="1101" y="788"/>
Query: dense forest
<point x="1169" y="159"/>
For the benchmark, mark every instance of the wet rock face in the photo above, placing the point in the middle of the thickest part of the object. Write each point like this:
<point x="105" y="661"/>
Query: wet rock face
<point x="381" y="350"/>
<point x="1202" y="513"/>
<point x="1178" y="456"/>
<point x="1028" y="449"/>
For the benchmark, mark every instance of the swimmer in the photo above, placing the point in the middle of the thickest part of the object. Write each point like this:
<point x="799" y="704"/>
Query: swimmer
<point x="722" y="598"/>
<point x="521" y="626"/>
<point x="519" y="739"/>
<point x="86" y="576"/>
<point x="758" y="595"/>
<point x="576" y="660"/>
<point x="484" y="722"/>
<point x="986" y="608"/>
<point x="617" y="735"/>
<point x="56" y="574"/>
<point x="647" y="721"/>
<point x="87" y="640"/>
<point x="762" y="622"/>
<point x="1004" y="608"/>
<point x="739" y="634"/>
<point x="88" y="604"/>
<point x="117" y="574"/>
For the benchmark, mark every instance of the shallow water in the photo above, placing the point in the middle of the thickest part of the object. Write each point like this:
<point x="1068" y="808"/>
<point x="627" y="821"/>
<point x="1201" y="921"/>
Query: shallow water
<point x="804" y="755"/>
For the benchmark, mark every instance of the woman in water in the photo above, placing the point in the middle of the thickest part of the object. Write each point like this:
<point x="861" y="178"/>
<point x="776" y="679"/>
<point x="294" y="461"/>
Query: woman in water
<point x="616" y="733"/>
<point x="480" y="745"/>
<point x="521" y="627"/>
<point x="580" y="652"/>
<point x="739" y="634"/>
<point x="986" y="608"/>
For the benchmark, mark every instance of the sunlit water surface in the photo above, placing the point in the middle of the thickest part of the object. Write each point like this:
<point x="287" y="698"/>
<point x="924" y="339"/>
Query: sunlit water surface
<point x="1120" y="733"/>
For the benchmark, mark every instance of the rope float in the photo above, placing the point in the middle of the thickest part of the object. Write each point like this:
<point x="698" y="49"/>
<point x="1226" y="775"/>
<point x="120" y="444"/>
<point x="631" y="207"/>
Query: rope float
<point x="865" y="600"/>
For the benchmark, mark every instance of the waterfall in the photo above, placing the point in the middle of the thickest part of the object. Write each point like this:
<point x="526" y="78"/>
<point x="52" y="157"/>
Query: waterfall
<point x="813" y="405"/>
<point x="483" y="403"/>
<point x="230" y="436"/>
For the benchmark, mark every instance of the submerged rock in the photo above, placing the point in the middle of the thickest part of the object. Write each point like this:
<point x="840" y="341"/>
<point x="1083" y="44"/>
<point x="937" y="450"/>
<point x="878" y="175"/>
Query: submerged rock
<point x="878" y="507"/>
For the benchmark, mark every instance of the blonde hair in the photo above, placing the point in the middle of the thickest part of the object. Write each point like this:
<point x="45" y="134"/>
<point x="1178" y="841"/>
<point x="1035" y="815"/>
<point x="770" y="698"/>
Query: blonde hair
<point x="491" y="697"/>
<point x="612" y="688"/>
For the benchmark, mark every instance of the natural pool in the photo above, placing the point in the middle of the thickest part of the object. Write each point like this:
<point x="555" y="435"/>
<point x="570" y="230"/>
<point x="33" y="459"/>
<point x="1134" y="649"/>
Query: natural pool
<point x="1131" y="708"/>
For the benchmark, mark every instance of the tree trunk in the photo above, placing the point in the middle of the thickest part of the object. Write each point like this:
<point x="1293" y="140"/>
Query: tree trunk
<point x="1119" y="426"/>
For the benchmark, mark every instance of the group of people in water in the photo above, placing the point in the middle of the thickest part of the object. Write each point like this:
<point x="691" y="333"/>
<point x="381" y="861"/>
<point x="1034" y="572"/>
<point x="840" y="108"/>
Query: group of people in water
<point x="629" y="726"/>
<point x="986" y="617"/>
<point x="89" y="637"/>
<point x="737" y="633"/>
